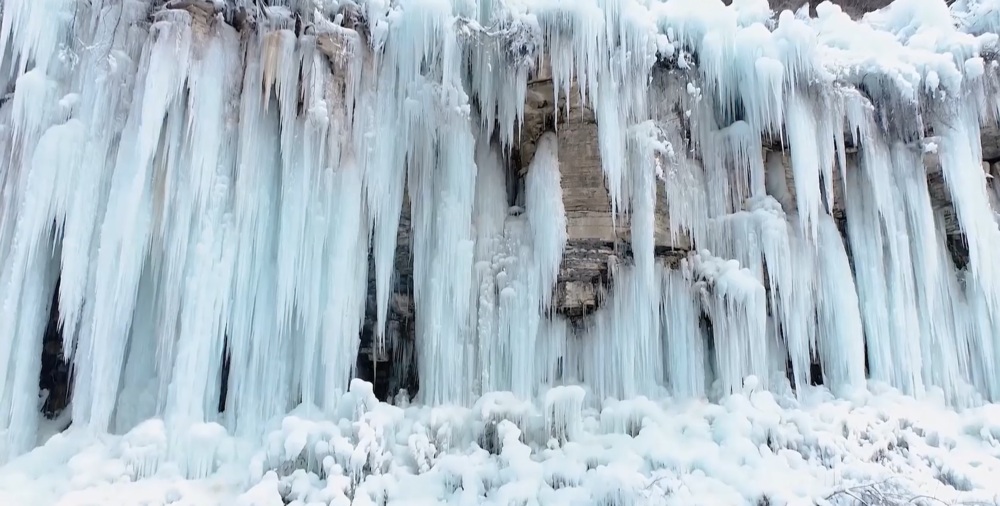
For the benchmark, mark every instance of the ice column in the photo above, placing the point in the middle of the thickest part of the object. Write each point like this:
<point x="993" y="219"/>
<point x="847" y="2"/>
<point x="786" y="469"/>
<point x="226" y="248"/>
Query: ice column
<point x="735" y="302"/>
<point x="126" y="229"/>
<point x="683" y="337"/>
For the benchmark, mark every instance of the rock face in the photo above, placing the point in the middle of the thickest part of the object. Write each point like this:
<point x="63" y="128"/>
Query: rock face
<point x="854" y="8"/>
<point x="593" y="235"/>
<point x="596" y="238"/>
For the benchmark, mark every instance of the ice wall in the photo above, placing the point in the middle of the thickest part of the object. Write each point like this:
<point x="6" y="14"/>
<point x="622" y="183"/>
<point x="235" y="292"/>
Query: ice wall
<point x="208" y="184"/>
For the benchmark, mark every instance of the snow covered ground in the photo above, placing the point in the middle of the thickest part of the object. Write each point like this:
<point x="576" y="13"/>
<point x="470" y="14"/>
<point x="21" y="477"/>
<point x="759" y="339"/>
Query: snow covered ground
<point x="876" y="447"/>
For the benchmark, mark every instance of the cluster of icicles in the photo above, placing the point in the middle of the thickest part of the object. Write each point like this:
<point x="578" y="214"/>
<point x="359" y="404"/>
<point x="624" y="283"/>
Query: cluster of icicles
<point x="194" y="193"/>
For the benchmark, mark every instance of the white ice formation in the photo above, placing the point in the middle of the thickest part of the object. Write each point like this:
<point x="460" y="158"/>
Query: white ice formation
<point x="201" y="188"/>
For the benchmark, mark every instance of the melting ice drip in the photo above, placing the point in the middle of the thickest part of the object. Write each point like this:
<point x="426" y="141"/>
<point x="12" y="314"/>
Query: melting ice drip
<point x="207" y="182"/>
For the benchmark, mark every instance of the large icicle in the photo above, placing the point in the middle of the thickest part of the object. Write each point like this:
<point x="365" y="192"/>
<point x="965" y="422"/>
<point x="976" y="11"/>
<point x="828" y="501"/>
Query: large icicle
<point x="883" y="267"/>
<point x="684" y="341"/>
<point x="546" y="216"/>
<point x="620" y="353"/>
<point x="960" y="155"/>
<point x="126" y="229"/>
<point x="802" y="130"/>
<point x="490" y="215"/>
<point x="193" y="393"/>
<point x="442" y="181"/>
<point x="840" y="334"/>
<point x="735" y="302"/>
<point x="762" y="239"/>
<point x="101" y="104"/>
<point x="257" y="356"/>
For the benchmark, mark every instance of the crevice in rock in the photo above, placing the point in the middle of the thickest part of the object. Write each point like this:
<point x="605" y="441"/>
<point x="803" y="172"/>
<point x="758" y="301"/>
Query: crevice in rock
<point x="56" y="376"/>
<point x="395" y="369"/>
<point x="224" y="375"/>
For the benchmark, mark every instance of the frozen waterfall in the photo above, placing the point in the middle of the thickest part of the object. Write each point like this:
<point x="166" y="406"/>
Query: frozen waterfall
<point x="217" y="211"/>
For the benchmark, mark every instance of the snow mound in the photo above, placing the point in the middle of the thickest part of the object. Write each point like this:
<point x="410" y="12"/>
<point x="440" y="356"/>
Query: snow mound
<point x="752" y="448"/>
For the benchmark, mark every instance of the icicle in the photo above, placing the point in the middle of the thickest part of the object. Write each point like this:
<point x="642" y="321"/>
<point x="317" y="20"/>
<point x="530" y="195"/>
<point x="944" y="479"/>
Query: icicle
<point x="563" y="416"/>
<point x="385" y="157"/>
<point x="840" y="334"/>
<point x="551" y="351"/>
<point x="137" y="401"/>
<point x="193" y="391"/>
<point x="125" y="232"/>
<point x="310" y="294"/>
<point x="766" y="244"/>
<point x="940" y="343"/>
<point x="347" y="267"/>
<point x="20" y="416"/>
<point x="682" y="175"/>
<point x="763" y="241"/>
<point x="546" y="216"/>
<point x="38" y="186"/>
<point x="959" y="328"/>
<point x="257" y="390"/>
<point x="621" y="352"/>
<point x="519" y="297"/>
<point x="172" y="205"/>
<point x="683" y="338"/>
<point x="884" y="270"/>
<point x="501" y="95"/>
<point x="516" y="269"/>
<point x="960" y="155"/>
<point x="801" y="129"/>
<point x="734" y="299"/>
<point x="610" y="60"/>
<point x="280" y="65"/>
<point x="489" y="215"/>
<point x="761" y="77"/>
<point x="32" y="31"/>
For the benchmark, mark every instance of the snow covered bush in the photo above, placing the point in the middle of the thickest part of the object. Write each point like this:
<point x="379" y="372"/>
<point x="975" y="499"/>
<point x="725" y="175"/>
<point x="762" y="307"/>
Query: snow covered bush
<point x="498" y="407"/>
<point x="564" y="413"/>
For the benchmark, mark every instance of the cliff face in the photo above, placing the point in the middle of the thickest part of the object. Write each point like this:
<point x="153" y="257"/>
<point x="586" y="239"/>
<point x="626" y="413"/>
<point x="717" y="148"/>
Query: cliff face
<point x="666" y="196"/>
<point x="597" y="238"/>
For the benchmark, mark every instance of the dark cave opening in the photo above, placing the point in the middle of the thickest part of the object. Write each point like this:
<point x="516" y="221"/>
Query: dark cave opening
<point x="55" y="379"/>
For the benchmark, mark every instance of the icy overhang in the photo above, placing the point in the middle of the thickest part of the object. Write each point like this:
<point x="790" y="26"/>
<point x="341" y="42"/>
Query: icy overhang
<point x="689" y="66"/>
<point x="745" y="56"/>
